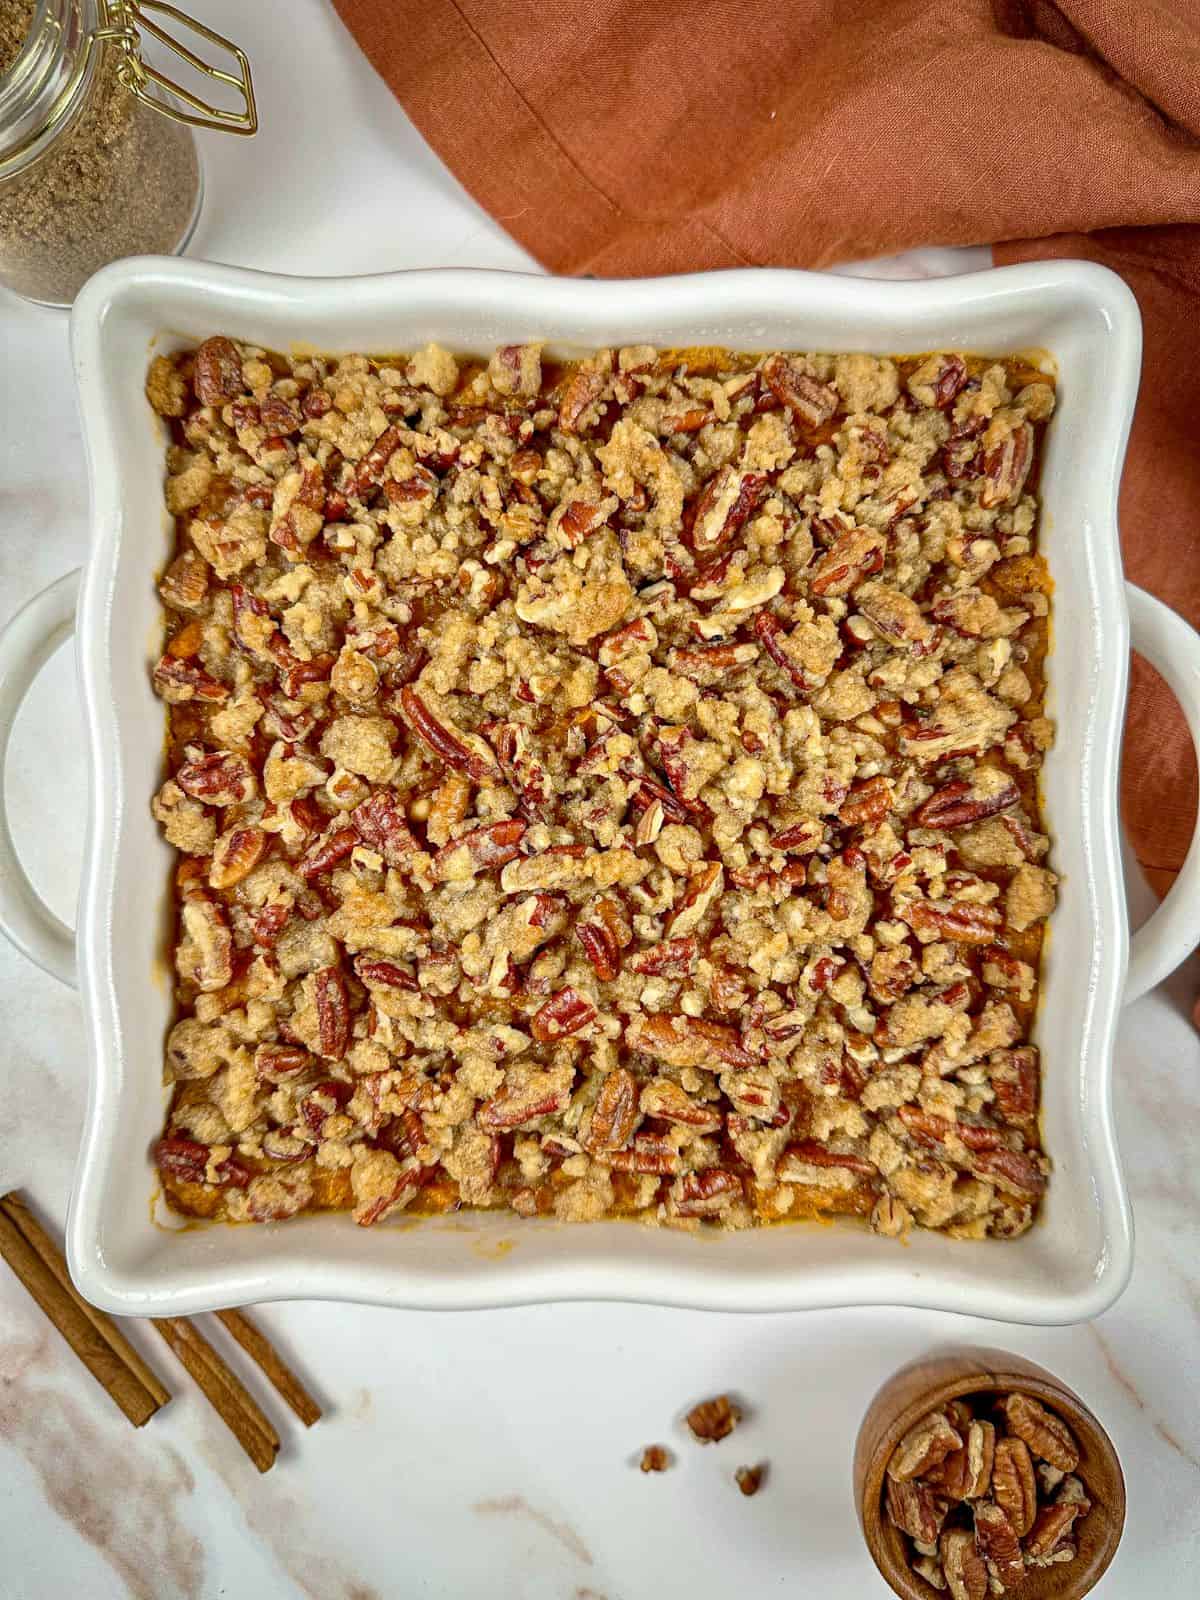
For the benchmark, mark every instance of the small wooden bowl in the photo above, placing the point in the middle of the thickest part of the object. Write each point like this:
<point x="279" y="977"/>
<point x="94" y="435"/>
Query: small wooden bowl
<point x="930" y="1383"/>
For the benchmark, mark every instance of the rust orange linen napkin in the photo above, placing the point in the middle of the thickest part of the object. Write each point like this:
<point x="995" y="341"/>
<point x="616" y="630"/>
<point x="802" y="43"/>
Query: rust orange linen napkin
<point x="622" y="137"/>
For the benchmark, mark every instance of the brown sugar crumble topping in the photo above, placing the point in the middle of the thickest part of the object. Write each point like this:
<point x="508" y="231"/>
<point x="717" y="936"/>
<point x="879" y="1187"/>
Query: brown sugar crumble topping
<point x="607" y="788"/>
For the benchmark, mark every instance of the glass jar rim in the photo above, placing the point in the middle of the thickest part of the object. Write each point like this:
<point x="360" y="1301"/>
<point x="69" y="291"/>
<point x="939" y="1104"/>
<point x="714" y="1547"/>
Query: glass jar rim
<point x="47" y="83"/>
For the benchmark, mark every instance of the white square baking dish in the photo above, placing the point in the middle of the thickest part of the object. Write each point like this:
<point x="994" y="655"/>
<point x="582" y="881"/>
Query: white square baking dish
<point x="1071" y="1265"/>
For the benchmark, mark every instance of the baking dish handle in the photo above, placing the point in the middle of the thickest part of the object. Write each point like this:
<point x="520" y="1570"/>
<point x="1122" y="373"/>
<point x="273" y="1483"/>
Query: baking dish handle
<point x="28" y="642"/>
<point x="1173" y="931"/>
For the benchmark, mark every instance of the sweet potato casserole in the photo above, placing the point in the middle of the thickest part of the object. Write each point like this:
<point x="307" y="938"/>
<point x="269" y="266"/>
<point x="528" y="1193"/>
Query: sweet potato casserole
<point x="605" y="788"/>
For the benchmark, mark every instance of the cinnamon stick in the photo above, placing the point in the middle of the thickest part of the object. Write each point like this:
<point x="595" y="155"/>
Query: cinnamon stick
<point x="232" y="1402"/>
<point x="260" y="1349"/>
<point x="94" y="1337"/>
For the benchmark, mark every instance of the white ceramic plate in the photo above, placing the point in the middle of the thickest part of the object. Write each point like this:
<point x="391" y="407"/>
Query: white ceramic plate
<point x="1072" y="1265"/>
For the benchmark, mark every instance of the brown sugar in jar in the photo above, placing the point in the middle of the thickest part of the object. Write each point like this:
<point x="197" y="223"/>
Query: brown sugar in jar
<point x="92" y="167"/>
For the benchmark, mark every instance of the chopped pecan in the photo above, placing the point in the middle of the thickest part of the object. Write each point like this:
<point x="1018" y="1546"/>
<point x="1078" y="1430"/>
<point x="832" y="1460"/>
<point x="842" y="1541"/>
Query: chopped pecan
<point x="927" y="1443"/>
<point x="476" y="760"/>
<point x="327" y="852"/>
<point x="706" y="1193"/>
<point x="812" y="402"/>
<point x="855" y="555"/>
<point x="514" y="1107"/>
<point x="322" y="1101"/>
<point x="913" y="1507"/>
<point x="963" y="922"/>
<point x="1050" y="1529"/>
<point x="615" y="1115"/>
<point x="713" y="1420"/>
<point x="1014" y="1487"/>
<point x="483" y="849"/>
<point x="1046" y="1435"/>
<point x="177" y="682"/>
<point x="771" y="635"/>
<point x="369" y="472"/>
<point x="204" y="955"/>
<point x="601" y="946"/>
<point x="683" y="1041"/>
<point x="651" y="1153"/>
<point x="218" y="371"/>
<point x="380" y="824"/>
<point x="275" y="1063"/>
<point x="655" y="1458"/>
<point x="867" y="803"/>
<point x="966" y="1474"/>
<point x="219" y="779"/>
<point x="566" y="1012"/>
<point x="1016" y="1172"/>
<point x="1015" y="1080"/>
<point x="184" y="585"/>
<point x="333" y="1012"/>
<point x="663" y="1098"/>
<point x="750" y="1479"/>
<point x="1006" y="467"/>
<point x="959" y="803"/>
<point x="379" y="974"/>
<point x="726" y="501"/>
<point x="671" y="957"/>
<point x="236" y="853"/>
<point x="800" y="838"/>
<point x="963" y="1566"/>
<point x="811" y="1153"/>
<point x="581" y="391"/>
<point x="998" y="1544"/>
<point x="192" y="1162"/>
<point x="700" y="892"/>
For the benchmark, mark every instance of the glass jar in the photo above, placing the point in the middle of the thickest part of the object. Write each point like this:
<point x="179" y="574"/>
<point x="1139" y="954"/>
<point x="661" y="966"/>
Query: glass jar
<point x="97" y="155"/>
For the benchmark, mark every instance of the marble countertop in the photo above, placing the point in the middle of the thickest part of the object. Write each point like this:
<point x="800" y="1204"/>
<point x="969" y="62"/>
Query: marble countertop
<point x="483" y="1453"/>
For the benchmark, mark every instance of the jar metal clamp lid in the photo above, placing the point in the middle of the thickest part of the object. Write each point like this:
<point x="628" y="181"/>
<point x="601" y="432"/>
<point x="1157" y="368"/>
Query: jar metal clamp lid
<point x="125" y="21"/>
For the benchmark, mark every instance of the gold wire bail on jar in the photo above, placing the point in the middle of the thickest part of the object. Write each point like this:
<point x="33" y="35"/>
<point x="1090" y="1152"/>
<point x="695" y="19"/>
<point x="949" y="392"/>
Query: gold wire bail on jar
<point x="122" y="24"/>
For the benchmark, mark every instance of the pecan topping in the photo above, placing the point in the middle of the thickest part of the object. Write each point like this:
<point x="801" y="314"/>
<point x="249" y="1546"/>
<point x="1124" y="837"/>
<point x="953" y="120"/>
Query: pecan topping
<point x="235" y="854"/>
<point x="705" y="1194"/>
<point x="192" y="1162"/>
<point x="484" y="849"/>
<point x="219" y="779"/>
<point x="177" y="682"/>
<point x="333" y="1012"/>
<point x="958" y="804"/>
<point x="812" y="402"/>
<point x="450" y="746"/>
<point x="615" y="1114"/>
<point x="621" y="775"/>
<point x="218" y="372"/>
<point x="565" y="1013"/>
<point x="328" y="852"/>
